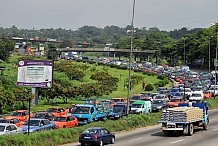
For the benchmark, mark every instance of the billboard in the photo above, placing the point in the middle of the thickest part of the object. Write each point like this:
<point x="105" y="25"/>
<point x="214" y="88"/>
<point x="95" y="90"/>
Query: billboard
<point x="35" y="73"/>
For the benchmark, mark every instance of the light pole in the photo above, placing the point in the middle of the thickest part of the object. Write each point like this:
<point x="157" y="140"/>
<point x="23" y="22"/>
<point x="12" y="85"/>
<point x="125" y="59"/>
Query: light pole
<point x="209" y="38"/>
<point x="184" y="51"/>
<point x="130" y="56"/>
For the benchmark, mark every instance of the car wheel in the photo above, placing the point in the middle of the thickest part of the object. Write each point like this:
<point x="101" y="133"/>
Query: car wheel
<point x="112" y="140"/>
<point x="83" y="144"/>
<point x="101" y="143"/>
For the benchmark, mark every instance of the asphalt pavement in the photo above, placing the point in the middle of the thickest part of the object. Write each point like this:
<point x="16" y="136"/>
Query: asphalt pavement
<point x="153" y="136"/>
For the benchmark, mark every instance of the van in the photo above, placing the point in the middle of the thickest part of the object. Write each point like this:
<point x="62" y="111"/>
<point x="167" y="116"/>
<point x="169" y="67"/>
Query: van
<point x="141" y="107"/>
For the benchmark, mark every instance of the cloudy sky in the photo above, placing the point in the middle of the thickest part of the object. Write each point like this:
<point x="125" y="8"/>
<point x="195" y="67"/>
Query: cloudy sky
<point x="73" y="14"/>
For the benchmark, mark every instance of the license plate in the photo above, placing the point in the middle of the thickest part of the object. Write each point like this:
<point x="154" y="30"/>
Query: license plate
<point x="87" y="137"/>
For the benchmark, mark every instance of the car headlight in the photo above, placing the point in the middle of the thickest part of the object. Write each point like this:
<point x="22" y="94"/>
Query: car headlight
<point x="159" y="107"/>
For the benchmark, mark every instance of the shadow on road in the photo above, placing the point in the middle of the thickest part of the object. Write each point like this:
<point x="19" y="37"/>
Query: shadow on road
<point x="161" y="134"/>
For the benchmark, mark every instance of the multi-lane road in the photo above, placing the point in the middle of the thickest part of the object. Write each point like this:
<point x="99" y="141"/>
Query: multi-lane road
<point x="152" y="136"/>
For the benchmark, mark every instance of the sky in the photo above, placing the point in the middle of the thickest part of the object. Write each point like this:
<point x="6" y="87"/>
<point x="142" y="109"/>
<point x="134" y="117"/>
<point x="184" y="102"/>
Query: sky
<point x="74" y="14"/>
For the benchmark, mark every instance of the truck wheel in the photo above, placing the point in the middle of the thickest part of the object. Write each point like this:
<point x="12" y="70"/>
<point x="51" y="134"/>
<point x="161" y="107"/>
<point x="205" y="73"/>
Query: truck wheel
<point x="190" y="129"/>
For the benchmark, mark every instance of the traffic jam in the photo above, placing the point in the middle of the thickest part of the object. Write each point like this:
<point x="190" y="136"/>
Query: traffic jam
<point x="188" y="87"/>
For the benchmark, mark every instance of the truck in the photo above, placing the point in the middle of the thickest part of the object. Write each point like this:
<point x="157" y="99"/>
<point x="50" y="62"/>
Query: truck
<point x="184" y="118"/>
<point x="87" y="113"/>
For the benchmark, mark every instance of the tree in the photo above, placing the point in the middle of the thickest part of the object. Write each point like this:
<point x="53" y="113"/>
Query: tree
<point x="6" y="46"/>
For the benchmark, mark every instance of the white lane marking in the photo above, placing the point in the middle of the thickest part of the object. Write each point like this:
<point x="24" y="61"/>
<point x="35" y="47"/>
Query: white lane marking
<point x="215" y="129"/>
<point x="136" y="139"/>
<point x="177" y="141"/>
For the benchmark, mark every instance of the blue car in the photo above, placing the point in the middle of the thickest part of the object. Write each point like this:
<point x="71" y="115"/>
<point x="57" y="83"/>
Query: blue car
<point x="37" y="125"/>
<point x="96" y="136"/>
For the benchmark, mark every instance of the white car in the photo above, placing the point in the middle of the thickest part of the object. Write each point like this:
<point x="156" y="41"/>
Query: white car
<point x="196" y="96"/>
<point x="7" y="128"/>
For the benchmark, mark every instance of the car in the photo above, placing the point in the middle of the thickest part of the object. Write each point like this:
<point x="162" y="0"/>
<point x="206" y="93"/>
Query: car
<point x="174" y="102"/>
<point x="44" y="115"/>
<point x="116" y="113"/>
<point x="15" y="121"/>
<point x="66" y="121"/>
<point x="174" y="91"/>
<point x="159" y="105"/>
<point x="207" y="94"/>
<point x="161" y="97"/>
<point x="196" y="97"/>
<point x="57" y="111"/>
<point x="178" y="95"/>
<point x="115" y="100"/>
<point x="96" y="136"/>
<point x="37" y="125"/>
<point x="21" y="115"/>
<point x="8" y="128"/>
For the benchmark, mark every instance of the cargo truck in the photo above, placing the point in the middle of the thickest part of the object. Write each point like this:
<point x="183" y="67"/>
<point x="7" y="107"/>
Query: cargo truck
<point x="184" y="118"/>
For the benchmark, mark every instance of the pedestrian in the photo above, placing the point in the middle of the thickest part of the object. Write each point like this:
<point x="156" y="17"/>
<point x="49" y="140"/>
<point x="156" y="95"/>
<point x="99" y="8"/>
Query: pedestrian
<point x="143" y="85"/>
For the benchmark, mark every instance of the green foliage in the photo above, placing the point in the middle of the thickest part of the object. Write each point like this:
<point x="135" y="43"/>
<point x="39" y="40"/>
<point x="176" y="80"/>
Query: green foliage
<point x="6" y="46"/>
<point x="68" y="135"/>
<point x="149" y="87"/>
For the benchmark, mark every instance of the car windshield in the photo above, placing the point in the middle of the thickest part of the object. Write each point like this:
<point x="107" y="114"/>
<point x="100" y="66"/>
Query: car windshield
<point x="38" y="115"/>
<point x="117" y="110"/>
<point x="196" y="95"/>
<point x="159" y="97"/>
<point x="136" y="105"/>
<point x="175" y="100"/>
<point x="2" y="128"/>
<point x="136" y="97"/>
<point x="16" y="114"/>
<point x="4" y="121"/>
<point x="60" y="119"/>
<point x="163" y="92"/>
<point x="157" y="102"/>
<point x="179" y="94"/>
<point x="90" y="131"/>
<point x="80" y="110"/>
<point x="32" y="122"/>
<point x="116" y="100"/>
<point x="51" y="110"/>
<point x="206" y="92"/>
<point x="152" y="95"/>
<point x="175" y="90"/>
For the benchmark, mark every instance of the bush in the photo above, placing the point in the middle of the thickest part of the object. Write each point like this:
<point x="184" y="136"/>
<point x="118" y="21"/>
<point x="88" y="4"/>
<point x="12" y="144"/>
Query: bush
<point x="161" y="83"/>
<point x="149" y="87"/>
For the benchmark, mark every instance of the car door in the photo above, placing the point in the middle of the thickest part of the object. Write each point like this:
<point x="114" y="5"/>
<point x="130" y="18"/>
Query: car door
<point x="103" y="136"/>
<point x="46" y="125"/>
<point x="68" y="122"/>
<point x="107" y="135"/>
<point x="14" y="129"/>
<point x="72" y="120"/>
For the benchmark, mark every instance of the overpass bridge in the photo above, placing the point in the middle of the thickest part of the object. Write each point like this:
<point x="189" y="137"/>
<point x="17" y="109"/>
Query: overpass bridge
<point x="142" y="54"/>
<point x="112" y="50"/>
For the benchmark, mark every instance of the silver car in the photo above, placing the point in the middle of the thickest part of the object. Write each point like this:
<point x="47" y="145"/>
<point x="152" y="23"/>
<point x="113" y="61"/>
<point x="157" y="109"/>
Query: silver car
<point x="7" y="128"/>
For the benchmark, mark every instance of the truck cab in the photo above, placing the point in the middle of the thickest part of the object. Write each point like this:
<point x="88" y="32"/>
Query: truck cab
<point x="141" y="107"/>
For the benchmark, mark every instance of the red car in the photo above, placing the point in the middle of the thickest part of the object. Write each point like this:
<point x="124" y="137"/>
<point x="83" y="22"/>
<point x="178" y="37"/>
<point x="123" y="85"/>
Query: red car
<point x="57" y="111"/>
<point x="15" y="121"/>
<point x="207" y="94"/>
<point x="65" y="121"/>
<point x="21" y="115"/>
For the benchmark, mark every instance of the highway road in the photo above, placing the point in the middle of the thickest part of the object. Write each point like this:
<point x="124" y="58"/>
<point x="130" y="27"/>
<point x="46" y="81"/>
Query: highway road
<point x="152" y="136"/>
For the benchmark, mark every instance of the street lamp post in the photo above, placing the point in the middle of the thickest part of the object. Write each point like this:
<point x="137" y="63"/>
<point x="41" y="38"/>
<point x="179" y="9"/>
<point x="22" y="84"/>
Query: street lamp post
<point x="209" y="38"/>
<point x="130" y="56"/>
<point x="184" y="51"/>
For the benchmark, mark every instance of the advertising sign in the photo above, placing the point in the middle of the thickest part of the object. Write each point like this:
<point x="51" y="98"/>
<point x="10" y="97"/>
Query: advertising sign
<point x="35" y="73"/>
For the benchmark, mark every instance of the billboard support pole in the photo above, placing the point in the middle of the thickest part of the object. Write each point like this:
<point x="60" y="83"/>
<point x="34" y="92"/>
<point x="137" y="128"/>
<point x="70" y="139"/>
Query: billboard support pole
<point x="35" y="92"/>
<point x="29" y="116"/>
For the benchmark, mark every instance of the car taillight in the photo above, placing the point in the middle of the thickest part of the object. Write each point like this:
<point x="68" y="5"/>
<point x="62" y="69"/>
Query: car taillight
<point x="96" y="136"/>
<point x="80" y="136"/>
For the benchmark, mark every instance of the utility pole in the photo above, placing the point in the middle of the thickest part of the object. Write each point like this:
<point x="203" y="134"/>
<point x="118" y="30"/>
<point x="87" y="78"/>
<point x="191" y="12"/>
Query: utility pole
<point x="130" y="56"/>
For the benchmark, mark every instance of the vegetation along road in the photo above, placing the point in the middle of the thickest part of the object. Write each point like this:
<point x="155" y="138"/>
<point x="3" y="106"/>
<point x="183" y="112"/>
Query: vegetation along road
<point x="152" y="136"/>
